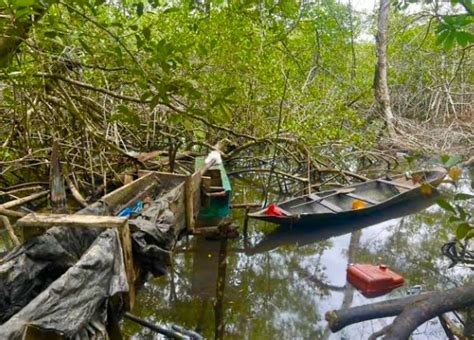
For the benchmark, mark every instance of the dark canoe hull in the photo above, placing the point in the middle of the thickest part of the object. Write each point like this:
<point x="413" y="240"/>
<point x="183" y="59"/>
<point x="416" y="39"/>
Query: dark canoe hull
<point x="321" y="218"/>
<point x="287" y="235"/>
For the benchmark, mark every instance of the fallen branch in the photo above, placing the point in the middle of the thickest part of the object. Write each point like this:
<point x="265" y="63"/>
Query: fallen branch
<point x="281" y="173"/>
<point x="23" y="200"/>
<point x="158" y="329"/>
<point x="412" y="311"/>
<point x="7" y="225"/>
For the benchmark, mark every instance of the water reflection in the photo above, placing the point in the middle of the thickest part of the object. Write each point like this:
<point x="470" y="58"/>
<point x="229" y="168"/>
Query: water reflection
<point x="280" y="282"/>
<point x="303" y="235"/>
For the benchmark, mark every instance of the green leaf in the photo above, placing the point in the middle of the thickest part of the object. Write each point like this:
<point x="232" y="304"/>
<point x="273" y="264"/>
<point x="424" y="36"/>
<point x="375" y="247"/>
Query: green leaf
<point x="24" y="3"/>
<point x="452" y="219"/>
<point x="155" y="101"/>
<point x="442" y="35"/>
<point x="453" y="160"/>
<point x="123" y="109"/>
<point x="127" y="118"/>
<point x="50" y="34"/>
<point x="470" y="234"/>
<point x="464" y="38"/>
<point x="171" y="10"/>
<point x="409" y="158"/>
<point x="462" y="230"/>
<point x="146" y="95"/>
<point x="227" y="91"/>
<point x="444" y="158"/>
<point x="449" y="41"/>
<point x="463" y="196"/>
<point x="445" y="205"/>
<point x="146" y="33"/>
<point x="86" y="47"/>
<point x="140" y="8"/>
<point x="139" y="41"/>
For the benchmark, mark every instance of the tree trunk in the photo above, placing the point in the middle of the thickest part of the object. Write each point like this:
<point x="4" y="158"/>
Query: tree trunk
<point x="382" y="95"/>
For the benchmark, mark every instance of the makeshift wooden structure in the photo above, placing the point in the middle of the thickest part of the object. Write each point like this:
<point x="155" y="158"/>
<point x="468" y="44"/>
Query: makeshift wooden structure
<point x="182" y="197"/>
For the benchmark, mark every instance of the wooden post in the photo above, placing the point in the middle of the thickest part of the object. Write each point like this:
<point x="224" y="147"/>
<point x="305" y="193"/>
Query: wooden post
<point x="189" y="203"/>
<point x="126" y="242"/>
<point x="92" y="221"/>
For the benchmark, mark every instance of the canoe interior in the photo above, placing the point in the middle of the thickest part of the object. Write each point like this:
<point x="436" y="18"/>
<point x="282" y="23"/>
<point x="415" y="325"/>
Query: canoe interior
<point x="372" y="192"/>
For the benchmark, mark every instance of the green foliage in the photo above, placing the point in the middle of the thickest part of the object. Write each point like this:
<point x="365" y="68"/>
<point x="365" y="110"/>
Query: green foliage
<point x="455" y="29"/>
<point x="222" y="61"/>
<point x="450" y="160"/>
<point x="462" y="219"/>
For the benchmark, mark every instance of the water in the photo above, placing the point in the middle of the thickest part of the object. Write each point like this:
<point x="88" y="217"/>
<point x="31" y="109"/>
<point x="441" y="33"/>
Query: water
<point x="279" y="284"/>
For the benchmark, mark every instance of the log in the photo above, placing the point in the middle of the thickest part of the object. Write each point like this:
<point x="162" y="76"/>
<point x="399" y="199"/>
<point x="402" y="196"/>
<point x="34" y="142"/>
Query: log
<point x="23" y="200"/>
<point x="441" y="302"/>
<point x="11" y="213"/>
<point x="413" y="311"/>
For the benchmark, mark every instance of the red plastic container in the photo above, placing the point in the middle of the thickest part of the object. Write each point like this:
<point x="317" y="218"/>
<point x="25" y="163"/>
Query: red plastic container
<point x="372" y="280"/>
<point x="273" y="210"/>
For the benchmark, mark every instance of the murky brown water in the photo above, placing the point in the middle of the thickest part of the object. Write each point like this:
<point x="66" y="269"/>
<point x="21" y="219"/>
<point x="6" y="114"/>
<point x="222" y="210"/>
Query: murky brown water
<point x="279" y="285"/>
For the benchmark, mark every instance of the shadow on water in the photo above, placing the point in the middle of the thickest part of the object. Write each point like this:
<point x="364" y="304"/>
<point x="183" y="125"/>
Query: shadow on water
<point x="288" y="235"/>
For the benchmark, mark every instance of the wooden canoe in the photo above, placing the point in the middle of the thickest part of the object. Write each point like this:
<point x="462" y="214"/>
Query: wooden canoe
<point x="353" y="201"/>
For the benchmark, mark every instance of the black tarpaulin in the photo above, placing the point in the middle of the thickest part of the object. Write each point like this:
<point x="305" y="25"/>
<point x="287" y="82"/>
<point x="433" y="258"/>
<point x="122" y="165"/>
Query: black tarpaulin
<point x="79" y="296"/>
<point x="31" y="267"/>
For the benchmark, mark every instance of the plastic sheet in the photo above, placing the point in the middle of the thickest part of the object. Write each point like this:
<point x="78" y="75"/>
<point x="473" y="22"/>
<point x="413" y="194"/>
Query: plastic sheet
<point x="72" y="301"/>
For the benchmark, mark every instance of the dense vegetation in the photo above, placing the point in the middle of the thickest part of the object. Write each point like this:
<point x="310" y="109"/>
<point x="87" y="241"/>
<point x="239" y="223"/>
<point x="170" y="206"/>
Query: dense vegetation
<point x="108" y="78"/>
<point x="281" y="85"/>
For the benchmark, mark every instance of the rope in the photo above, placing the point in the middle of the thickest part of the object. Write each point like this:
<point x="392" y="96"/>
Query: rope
<point x="458" y="253"/>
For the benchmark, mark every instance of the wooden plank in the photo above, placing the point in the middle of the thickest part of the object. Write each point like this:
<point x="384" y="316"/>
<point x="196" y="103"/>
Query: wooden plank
<point x="397" y="184"/>
<point x="23" y="200"/>
<point x="216" y="194"/>
<point x="361" y="198"/>
<point x="126" y="242"/>
<point x="216" y="188"/>
<point x="65" y="220"/>
<point x="206" y="230"/>
<point x="206" y="183"/>
<point x="189" y="203"/>
<point x="320" y="200"/>
<point x="125" y="193"/>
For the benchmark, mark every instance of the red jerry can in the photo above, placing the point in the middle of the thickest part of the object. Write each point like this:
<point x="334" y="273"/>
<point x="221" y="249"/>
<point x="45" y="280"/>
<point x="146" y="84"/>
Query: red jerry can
<point x="372" y="280"/>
